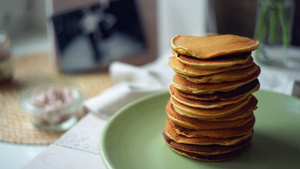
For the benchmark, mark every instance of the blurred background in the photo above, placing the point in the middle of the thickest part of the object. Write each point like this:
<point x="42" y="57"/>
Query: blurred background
<point x="30" y="23"/>
<point x="80" y="35"/>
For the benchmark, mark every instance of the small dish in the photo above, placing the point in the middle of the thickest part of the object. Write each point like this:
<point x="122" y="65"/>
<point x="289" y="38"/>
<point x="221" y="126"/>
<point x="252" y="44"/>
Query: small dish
<point x="52" y="106"/>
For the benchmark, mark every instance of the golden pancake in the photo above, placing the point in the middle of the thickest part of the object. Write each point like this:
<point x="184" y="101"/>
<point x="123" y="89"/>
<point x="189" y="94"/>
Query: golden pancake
<point x="208" y="47"/>
<point x="221" y="157"/>
<point x="229" y="76"/>
<point x="207" y="150"/>
<point x="241" y="113"/>
<point x="246" y="89"/>
<point x="184" y="69"/>
<point x="208" y="113"/>
<point x="221" y="133"/>
<point x="197" y="124"/>
<point x="224" y="122"/>
<point x="204" y="104"/>
<point x="229" y="61"/>
<point x="170" y="132"/>
<point x="183" y="85"/>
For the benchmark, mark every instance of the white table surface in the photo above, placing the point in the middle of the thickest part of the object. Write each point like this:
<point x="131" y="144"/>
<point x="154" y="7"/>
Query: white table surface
<point x="14" y="156"/>
<point x="77" y="148"/>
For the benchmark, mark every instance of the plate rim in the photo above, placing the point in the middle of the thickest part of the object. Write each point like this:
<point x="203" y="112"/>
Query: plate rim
<point x="116" y="115"/>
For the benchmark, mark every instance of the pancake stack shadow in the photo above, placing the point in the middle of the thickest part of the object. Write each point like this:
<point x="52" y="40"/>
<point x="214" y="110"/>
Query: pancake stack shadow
<point x="210" y="111"/>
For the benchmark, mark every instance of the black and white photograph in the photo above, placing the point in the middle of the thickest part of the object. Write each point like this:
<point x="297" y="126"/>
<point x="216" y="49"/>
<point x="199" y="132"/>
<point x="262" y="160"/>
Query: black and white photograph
<point x="99" y="33"/>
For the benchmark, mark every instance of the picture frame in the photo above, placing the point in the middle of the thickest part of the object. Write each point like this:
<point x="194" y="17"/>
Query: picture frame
<point x="125" y="31"/>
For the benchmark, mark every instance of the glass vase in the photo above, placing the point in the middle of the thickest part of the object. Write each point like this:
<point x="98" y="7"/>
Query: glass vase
<point x="273" y="30"/>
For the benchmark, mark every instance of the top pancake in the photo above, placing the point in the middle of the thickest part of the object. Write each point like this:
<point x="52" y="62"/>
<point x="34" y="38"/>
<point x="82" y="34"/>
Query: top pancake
<point x="208" y="47"/>
<point x="215" y="63"/>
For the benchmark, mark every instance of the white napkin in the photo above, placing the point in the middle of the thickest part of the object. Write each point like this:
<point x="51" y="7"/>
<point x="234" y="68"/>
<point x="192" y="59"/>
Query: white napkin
<point x="131" y="83"/>
<point x="276" y="79"/>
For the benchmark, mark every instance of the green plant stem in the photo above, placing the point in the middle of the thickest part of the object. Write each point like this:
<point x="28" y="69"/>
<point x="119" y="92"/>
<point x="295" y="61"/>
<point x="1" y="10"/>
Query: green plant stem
<point x="260" y="30"/>
<point x="284" y="24"/>
<point x="272" y="14"/>
<point x="261" y="21"/>
<point x="273" y="25"/>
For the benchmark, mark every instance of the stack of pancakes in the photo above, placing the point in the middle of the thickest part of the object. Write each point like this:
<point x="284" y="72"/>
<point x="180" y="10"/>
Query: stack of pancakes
<point x="210" y="112"/>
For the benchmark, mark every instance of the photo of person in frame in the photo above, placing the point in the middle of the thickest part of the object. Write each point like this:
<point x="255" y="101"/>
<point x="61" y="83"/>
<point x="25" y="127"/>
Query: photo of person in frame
<point x="93" y="20"/>
<point x="98" y="33"/>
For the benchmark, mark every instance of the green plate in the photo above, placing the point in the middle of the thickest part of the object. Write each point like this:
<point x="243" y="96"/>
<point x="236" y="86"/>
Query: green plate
<point x="133" y="139"/>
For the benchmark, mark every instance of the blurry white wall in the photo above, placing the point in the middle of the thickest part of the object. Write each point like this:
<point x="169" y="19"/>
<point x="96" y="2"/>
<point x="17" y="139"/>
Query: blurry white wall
<point x="178" y="17"/>
<point x="16" y="15"/>
<point x="25" y="22"/>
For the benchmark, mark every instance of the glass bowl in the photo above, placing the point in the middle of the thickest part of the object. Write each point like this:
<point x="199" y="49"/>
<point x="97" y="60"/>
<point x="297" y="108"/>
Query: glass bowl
<point x="52" y="106"/>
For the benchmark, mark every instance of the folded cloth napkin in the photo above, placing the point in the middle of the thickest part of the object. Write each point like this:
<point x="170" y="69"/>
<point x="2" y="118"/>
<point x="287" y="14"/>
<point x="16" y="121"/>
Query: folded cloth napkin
<point x="131" y="83"/>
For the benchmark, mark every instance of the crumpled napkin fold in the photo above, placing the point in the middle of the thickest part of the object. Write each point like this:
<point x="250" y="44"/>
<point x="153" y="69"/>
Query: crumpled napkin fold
<point x="131" y="83"/>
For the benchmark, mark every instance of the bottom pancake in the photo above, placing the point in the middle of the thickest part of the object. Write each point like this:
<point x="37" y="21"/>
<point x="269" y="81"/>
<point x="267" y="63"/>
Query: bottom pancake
<point x="207" y="150"/>
<point x="221" y="157"/>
